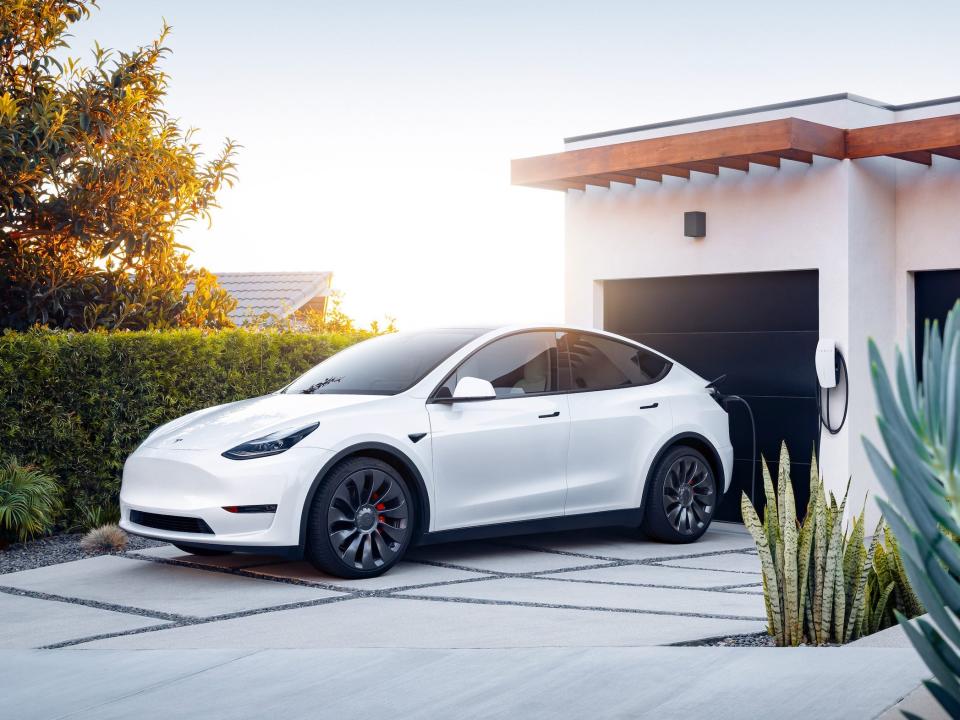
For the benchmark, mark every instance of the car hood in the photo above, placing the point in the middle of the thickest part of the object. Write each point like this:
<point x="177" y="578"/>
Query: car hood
<point x="224" y="426"/>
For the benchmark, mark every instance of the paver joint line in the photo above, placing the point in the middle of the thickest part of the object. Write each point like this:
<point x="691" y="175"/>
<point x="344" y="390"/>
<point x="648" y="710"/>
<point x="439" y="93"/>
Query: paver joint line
<point x="128" y="609"/>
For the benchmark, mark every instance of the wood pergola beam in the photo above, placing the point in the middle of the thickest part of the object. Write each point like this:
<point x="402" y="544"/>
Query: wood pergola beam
<point x="736" y="141"/>
<point x="904" y="137"/>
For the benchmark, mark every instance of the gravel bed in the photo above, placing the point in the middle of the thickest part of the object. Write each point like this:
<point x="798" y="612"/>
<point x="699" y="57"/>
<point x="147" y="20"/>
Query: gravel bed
<point x="56" y="549"/>
<point x="754" y="640"/>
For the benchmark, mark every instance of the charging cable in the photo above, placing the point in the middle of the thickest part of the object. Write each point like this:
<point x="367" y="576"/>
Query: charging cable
<point x="724" y="401"/>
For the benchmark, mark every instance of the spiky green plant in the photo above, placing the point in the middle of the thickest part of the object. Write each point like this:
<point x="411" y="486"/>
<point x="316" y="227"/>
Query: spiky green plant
<point x="888" y="587"/>
<point x="29" y="500"/>
<point x="814" y="574"/>
<point x="920" y="427"/>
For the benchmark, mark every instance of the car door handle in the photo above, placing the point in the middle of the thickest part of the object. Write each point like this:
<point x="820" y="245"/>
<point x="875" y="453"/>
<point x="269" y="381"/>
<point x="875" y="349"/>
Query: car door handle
<point x="555" y="413"/>
<point x="651" y="406"/>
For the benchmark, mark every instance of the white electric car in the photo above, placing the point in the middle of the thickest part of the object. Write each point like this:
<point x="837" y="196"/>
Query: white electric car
<point x="420" y="437"/>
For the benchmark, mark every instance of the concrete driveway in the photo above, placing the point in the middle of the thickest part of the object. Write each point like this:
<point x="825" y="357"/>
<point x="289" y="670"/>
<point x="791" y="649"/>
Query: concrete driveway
<point x="549" y="626"/>
<point x="578" y="589"/>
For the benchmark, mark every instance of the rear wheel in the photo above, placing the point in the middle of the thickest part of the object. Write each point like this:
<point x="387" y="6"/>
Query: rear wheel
<point x="682" y="497"/>
<point x="361" y="521"/>
<point x="201" y="550"/>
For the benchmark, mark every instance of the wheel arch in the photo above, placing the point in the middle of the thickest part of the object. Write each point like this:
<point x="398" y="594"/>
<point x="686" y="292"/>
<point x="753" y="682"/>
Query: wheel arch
<point x="389" y="454"/>
<point x="697" y="442"/>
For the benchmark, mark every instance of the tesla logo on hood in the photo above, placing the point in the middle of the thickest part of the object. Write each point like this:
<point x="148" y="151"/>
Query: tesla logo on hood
<point x="176" y="440"/>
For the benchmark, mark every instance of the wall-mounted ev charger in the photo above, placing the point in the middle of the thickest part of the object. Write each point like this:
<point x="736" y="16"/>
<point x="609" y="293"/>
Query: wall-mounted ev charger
<point x="831" y="372"/>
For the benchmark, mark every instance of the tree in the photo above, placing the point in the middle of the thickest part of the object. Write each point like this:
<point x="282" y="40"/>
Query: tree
<point x="96" y="180"/>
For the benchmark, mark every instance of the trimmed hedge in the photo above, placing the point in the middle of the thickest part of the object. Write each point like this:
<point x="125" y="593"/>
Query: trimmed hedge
<point x="76" y="404"/>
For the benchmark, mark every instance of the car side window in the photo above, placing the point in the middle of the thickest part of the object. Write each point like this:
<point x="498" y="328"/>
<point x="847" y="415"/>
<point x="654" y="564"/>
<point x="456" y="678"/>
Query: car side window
<point x="594" y="362"/>
<point x="517" y="365"/>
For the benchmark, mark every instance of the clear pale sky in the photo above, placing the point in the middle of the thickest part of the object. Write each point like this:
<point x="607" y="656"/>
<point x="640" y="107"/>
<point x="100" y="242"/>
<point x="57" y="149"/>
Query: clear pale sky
<point x="377" y="135"/>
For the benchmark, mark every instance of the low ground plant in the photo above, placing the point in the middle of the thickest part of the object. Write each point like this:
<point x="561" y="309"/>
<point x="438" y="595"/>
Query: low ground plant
<point x="107" y="538"/>
<point x="29" y="501"/>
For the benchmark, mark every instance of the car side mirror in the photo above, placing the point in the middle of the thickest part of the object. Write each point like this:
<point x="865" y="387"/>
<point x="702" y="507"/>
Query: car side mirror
<point x="471" y="388"/>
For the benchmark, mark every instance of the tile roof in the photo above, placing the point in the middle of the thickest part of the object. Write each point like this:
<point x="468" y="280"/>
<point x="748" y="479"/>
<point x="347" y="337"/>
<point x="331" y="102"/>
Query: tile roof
<point x="277" y="293"/>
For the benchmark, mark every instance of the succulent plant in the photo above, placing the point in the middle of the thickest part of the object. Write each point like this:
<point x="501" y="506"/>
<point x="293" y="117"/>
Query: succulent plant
<point x="920" y="426"/>
<point x="820" y="583"/>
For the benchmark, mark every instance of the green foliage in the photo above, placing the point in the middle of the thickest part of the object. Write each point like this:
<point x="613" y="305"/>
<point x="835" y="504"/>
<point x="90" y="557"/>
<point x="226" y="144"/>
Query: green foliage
<point x="816" y="577"/>
<point x="920" y="427"/>
<point x="76" y="404"/>
<point x="888" y="587"/>
<point x="96" y="179"/>
<point x="29" y="500"/>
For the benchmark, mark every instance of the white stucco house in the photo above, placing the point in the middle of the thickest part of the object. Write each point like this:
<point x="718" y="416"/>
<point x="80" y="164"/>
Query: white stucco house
<point x="833" y="217"/>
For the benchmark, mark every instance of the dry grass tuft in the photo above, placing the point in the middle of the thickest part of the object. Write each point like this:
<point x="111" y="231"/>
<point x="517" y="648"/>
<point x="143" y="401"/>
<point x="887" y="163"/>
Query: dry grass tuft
<point x="106" y="538"/>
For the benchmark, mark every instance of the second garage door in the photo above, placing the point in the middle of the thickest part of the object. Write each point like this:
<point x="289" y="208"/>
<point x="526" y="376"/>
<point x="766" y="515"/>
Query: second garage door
<point x="761" y="330"/>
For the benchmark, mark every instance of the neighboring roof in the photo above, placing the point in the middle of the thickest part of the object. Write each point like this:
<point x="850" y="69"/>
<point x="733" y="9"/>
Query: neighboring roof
<point x="737" y="147"/>
<point x="766" y="108"/>
<point x="276" y="293"/>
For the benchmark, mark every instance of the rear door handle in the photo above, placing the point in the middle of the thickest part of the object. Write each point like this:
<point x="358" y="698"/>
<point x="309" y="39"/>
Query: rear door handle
<point x="651" y="406"/>
<point x="555" y="413"/>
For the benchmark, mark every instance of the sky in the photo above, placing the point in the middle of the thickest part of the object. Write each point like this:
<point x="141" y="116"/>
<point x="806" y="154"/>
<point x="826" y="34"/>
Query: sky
<point x="377" y="136"/>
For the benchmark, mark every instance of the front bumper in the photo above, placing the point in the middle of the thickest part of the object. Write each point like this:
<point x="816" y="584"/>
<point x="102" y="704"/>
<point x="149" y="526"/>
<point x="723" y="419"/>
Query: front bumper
<point x="200" y="483"/>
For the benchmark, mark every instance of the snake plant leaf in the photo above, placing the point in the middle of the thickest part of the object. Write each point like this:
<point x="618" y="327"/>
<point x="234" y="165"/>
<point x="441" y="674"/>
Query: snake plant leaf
<point x="839" y="597"/>
<point x="771" y="587"/>
<point x="770" y="495"/>
<point x="790" y="588"/>
<point x="876" y="622"/>
<point x="820" y="545"/>
<point x="831" y="566"/>
<point x="857" y="595"/>
<point x="805" y="549"/>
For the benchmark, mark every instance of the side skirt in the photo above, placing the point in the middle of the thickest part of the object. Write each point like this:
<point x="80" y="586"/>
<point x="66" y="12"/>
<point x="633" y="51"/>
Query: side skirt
<point x="610" y="518"/>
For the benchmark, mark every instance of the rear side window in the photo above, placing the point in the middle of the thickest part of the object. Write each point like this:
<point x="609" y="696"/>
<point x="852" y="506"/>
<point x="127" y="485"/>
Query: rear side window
<point x="516" y="365"/>
<point x="594" y="362"/>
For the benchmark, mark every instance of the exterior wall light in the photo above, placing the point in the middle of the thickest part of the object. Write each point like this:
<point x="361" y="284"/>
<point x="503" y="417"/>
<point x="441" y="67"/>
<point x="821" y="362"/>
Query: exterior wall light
<point x="695" y="224"/>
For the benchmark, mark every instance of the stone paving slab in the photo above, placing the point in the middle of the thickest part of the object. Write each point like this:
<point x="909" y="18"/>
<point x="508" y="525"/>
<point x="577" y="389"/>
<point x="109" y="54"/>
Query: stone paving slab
<point x="549" y="683"/>
<point x="589" y="595"/>
<point x="728" y="564"/>
<point x="660" y="575"/>
<point x="396" y="622"/>
<point x="159" y="587"/>
<point x="403" y="574"/>
<point x="27" y="622"/>
<point x="498" y="558"/>
<point x="627" y="544"/>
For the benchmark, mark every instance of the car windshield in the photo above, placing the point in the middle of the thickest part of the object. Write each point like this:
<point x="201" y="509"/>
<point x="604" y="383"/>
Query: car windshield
<point x="384" y="365"/>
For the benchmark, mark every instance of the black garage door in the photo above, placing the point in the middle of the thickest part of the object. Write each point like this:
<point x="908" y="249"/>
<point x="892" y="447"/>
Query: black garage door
<point x="761" y="330"/>
<point x="936" y="292"/>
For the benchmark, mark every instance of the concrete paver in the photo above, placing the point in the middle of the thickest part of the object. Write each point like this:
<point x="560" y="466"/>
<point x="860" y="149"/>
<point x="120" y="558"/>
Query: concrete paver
<point x="663" y="683"/>
<point x="164" y="588"/>
<point x="27" y="622"/>
<point x="552" y="592"/>
<point x="397" y="623"/>
<point x="660" y="575"/>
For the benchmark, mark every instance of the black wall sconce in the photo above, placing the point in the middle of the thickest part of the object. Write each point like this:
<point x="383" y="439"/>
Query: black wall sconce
<point x="695" y="224"/>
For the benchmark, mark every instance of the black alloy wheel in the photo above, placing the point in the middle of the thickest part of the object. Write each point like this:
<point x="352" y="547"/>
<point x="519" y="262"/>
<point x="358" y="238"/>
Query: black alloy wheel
<point x="362" y="519"/>
<point x="682" y="498"/>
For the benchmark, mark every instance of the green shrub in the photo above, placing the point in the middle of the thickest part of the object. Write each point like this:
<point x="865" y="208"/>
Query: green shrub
<point x="76" y="404"/>
<point x="29" y="500"/>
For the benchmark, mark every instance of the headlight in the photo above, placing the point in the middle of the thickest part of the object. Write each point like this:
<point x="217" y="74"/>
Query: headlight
<point x="272" y="444"/>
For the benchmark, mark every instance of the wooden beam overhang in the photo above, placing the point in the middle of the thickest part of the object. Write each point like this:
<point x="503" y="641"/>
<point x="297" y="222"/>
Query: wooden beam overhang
<point x="736" y="148"/>
<point x="705" y="151"/>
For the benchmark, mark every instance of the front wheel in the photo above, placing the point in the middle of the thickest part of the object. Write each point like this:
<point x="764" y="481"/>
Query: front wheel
<point x="361" y="520"/>
<point x="682" y="497"/>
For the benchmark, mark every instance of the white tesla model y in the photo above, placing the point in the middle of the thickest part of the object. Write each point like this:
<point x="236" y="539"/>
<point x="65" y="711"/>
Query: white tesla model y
<point x="421" y="437"/>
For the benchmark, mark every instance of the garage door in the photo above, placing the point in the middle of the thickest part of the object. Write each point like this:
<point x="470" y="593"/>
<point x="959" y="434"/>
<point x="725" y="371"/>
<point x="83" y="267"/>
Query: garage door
<point x="936" y="292"/>
<point x="760" y="329"/>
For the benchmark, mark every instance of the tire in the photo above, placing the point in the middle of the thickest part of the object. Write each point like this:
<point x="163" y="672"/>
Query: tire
<point x="362" y="519"/>
<point x="200" y="550"/>
<point x="682" y="497"/>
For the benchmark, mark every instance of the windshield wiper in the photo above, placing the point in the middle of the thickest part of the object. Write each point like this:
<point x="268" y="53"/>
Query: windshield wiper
<point x="317" y="385"/>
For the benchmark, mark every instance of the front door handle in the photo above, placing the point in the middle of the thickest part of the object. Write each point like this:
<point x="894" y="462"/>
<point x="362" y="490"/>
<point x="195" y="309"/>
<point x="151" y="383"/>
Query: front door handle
<point x="555" y="413"/>
<point x="651" y="406"/>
